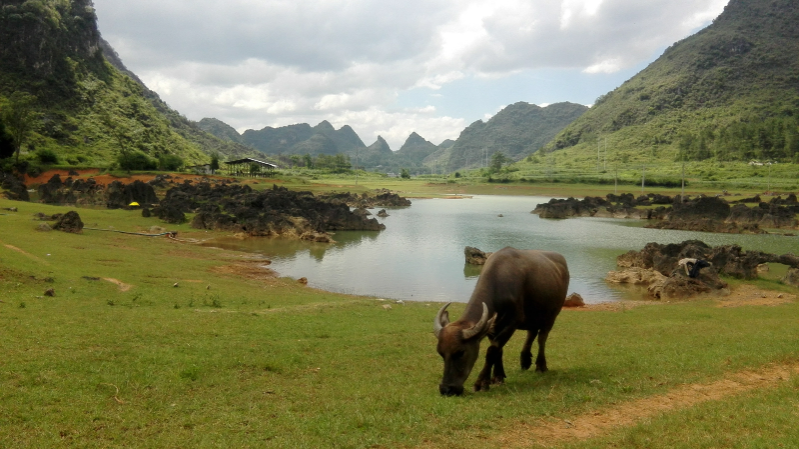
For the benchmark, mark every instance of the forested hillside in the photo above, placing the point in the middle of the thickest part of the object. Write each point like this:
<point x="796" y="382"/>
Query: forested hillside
<point x="729" y="92"/>
<point x="87" y="111"/>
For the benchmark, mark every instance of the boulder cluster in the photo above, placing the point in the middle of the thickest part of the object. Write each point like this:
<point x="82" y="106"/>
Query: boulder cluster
<point x="273" y="212"/>
<point x="703" y="213"/>
<point x="657" y="268"/>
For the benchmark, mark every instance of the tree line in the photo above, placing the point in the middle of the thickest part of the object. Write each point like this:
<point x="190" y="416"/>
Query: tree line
<point x="774" y="138"/>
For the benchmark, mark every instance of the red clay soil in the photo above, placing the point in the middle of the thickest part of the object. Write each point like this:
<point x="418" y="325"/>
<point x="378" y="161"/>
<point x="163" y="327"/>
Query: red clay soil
<point x="106" y="179"/>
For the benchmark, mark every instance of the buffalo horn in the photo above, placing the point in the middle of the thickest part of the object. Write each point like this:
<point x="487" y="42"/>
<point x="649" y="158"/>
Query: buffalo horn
<point x="442" y="319"/>
<point x="479" y="327"/>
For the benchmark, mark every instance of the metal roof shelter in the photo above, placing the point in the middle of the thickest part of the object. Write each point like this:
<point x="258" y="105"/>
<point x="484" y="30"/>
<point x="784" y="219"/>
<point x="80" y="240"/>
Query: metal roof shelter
<point x="249" y="167"/>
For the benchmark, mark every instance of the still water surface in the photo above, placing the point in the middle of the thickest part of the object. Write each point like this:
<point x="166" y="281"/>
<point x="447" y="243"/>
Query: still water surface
<point x="419" y="256"/>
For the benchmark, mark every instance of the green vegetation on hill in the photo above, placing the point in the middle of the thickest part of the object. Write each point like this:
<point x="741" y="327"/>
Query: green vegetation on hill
<point x="516" y="131"/>
<point x="91" y="112"/>
<point x="729" y="92"/>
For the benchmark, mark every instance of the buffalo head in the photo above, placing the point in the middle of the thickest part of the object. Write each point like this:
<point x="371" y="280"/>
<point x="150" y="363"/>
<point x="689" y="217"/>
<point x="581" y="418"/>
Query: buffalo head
<point x="459" y="345"/>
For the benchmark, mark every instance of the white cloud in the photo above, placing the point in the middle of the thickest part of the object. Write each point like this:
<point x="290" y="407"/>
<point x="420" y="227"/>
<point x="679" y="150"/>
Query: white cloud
<point x="270" y="62"/>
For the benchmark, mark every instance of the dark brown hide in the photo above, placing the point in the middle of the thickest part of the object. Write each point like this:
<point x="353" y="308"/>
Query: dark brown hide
<point x="518" y="289"/>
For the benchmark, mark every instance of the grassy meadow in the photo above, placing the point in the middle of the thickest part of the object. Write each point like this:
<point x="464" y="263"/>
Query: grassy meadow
<point x="150" y="342"/>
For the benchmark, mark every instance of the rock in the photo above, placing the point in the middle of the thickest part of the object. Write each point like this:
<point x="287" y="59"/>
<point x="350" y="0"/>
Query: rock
<point x="44" y="227"/>
<point x="474" y="256"/>
<point x="69" y="222"/>
<point x="574" y="300"/>
<point x="762" y="268"/>
<point x="680" y="286"/>
<point x="703" y="207"/>
<point x="145" y="212"/>
<point x="791" y="277"/>
<point x="630" y="259"/>
<point x="14" y="187"/>
<point x="303" y="280"/>
<point x="273" y="212"/>
<point x="119" y="195"/>
<point x="49" y="292"/>
<point x="382" y="213"/>
<point x="635" y="276"/>
<point x="730" y="260"/>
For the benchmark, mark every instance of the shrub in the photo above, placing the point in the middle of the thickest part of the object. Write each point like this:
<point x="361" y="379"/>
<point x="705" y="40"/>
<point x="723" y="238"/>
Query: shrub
<point x="47" y="156"/>
<point x="170" y="162"/>
<point x="136" y="160"/>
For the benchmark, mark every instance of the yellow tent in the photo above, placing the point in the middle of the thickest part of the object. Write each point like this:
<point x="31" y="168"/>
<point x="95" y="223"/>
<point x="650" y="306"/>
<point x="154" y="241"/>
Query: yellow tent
<point x="133" y="204"/>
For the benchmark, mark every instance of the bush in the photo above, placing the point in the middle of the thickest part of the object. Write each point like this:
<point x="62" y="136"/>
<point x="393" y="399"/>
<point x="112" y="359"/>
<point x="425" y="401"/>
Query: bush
<point x="170" y="162"/>
<point x="136" y="160"/>
<point x="47" y="156"/>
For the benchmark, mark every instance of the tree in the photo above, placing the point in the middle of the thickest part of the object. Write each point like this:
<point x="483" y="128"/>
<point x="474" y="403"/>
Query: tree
<point x="404" y="174"/>
<point x="170" y="162"/>
<point x="214" y="165"/>
<point x="20" y="119"/>
<point x="498" y="159"/>
<point x="6" y="143"/>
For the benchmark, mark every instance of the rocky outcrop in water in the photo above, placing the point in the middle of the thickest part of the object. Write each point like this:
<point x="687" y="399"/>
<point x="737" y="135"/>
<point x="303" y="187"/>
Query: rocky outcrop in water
<point x="273" y="212"/>
<point x="656" y="267"/>
<point x="474" y="256"/>
<point x="380" y="198"/>
<point x="706" y="214"/>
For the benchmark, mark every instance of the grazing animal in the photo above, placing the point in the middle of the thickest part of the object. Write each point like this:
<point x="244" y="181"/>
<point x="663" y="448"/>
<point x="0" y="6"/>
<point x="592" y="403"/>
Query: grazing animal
<point x="518" y="289"/>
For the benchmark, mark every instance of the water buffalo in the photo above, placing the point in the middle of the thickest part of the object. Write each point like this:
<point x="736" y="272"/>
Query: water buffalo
<point x="518" y="289"/>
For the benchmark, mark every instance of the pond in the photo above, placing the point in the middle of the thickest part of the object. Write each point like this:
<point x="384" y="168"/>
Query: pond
<point x="419" y="256"/>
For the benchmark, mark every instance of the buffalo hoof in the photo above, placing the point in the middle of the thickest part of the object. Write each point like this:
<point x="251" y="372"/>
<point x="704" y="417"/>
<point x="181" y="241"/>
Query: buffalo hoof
<point x="527" y="361"/>
<point x="541" y="368"/>
<point x="447" y="390"/>
<point x="498" y="381"/>
<point x="481" y="385"/>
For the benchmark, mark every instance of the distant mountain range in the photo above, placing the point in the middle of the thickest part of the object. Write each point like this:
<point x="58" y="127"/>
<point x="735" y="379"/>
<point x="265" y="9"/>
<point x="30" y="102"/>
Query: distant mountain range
<point x="729" y="92"/>
<point x="517" y="131"/>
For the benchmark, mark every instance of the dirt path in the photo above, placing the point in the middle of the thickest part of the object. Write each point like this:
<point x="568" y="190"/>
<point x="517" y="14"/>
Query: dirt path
<point x="123" y="287"/>
<point x="25" y="253"/>
<point x="553" y="432"/>
<point x="550" y="433"/>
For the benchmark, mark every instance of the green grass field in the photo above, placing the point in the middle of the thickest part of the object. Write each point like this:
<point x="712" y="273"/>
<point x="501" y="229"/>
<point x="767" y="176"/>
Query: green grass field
<point x="231" y="357"/>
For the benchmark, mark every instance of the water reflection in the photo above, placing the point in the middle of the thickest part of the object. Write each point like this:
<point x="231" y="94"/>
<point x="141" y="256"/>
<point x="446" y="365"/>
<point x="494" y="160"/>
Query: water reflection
<point x="420" y="254"/>
<point x="471" y="271"/>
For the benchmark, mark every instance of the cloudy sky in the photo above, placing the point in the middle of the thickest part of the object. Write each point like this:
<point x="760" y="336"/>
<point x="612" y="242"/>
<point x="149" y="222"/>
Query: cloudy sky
<point x="388" y="67"/>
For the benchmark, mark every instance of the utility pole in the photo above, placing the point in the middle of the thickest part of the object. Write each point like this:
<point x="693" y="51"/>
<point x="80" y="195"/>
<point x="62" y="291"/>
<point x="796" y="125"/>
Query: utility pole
<point x="682" y="191"/>
<point x="768" y="179"/>
<point x="643" y="177"/>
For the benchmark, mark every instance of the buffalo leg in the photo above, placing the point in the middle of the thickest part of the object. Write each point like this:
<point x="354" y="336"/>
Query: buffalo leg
<point x="541" y="360"/>
<point x="527" y="355"/>
<point x="493" y="361"/>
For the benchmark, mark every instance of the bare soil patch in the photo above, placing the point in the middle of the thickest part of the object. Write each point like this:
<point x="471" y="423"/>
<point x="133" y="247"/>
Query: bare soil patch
<point x="551" y="432"/>
<point x="25" y="253"/>
<point x="123" y="287"/>
<point x="749" y="295"/>
<point x="252" y="269"/>
<point x="106" y="179"/>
